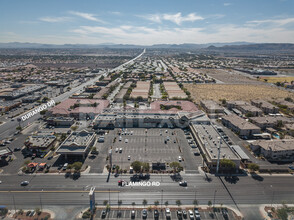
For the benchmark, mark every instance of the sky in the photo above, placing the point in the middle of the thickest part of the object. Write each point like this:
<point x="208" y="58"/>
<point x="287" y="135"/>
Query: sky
<point x="146" y="22"/>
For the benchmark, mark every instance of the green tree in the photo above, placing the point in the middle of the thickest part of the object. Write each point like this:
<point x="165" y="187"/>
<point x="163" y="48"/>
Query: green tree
<point x="209" y="203"/>
<point x="77" y="166"/>
<point x="43" y="112"/>
<point x="176" y="166"/>
<point x="144" y="202"/>
<point x="133" y="204"/>
<point x="253" y="167"/>
<point x="179" y="203"/>
<point x="146" y="167"/>
<point x="282" y="213"/>
<point x="38" y="211"/>
<point x="227" y="163"/>
<point x="156" y="203"/>
<point x="166" y="203"/>
<point x="136" y="166"/>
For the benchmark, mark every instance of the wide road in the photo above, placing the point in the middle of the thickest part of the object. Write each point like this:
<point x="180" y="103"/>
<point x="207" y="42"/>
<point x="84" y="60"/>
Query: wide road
<point x="58" y="190"/>
<point x="7" y="129"/>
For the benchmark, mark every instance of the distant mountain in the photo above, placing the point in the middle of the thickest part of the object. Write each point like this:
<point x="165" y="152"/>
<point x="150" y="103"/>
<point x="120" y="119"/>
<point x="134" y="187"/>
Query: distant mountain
<point x="111" y="45"/>
<point x="217" y="47"/>
<point x="253" y="47"/>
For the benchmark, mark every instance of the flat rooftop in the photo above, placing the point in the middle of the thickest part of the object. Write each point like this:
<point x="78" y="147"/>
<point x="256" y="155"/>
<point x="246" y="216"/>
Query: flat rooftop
<point x="210" y="139"/>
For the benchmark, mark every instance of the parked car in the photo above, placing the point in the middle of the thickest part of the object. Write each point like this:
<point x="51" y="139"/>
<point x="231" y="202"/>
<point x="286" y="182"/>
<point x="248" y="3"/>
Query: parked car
<point x="197" y="214"/>
<point x="191" y="215"/>
<point x="225" y="214"/>
<point x="116" y="150"/>
<point x="184" y="214"/>
<point x="179" y="214"/>
<point x="103" y="214"/>
<point x="180" y="159"/>
<point x="144" y="214"/>
<point x="133" y="214"/>
<point x="156" y="213"/>
<point x="167" y="213"/>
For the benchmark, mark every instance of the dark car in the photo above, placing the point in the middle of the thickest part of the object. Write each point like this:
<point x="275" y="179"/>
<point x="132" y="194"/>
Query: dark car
<point x="184" y="183"/>
<point x="17" y="149"/>
<point x="144" y="214"/>
<point x="103" y="214"/>
<point x="24" y="183"/>
<point x="184" y="214"/>
<point x="156" y="213"/>
<point x="179" y="214"/>
<point x="225" y="214"/>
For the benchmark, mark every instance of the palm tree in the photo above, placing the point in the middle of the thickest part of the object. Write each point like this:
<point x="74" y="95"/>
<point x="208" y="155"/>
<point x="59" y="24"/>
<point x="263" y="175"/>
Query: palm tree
<point x="179" y="203"/>
<point x="144" y="202"/>
<point x="156" y="203"/>
<point x="166" y="203"/>
<point x="133" y="204"/>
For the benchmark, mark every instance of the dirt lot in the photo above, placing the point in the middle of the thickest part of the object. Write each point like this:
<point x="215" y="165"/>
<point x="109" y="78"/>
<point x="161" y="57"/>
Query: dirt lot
<point x="271" y="79"/>
<point x="228" y="76"/>
<point x="236" y="92"/>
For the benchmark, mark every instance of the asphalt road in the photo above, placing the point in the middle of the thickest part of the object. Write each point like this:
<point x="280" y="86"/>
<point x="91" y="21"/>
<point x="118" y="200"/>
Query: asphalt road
<point x="58" y="190"/>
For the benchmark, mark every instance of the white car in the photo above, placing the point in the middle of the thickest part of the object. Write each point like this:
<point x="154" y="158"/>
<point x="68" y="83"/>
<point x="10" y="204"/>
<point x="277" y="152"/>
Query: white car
<point x="120" y="150"/>
<point x="180" y="159"/>
<point x="116" y="150"/>
<point x="126" y="140"/>
<point x="129" y="157"/>
<point x="167" y="212"/>
<point x="191" y="215"/>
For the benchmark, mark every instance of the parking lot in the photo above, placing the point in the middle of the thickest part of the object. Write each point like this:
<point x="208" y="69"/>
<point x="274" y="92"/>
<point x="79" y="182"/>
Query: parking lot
<point x="153" y="145"/>
<point x="126" y="214"/>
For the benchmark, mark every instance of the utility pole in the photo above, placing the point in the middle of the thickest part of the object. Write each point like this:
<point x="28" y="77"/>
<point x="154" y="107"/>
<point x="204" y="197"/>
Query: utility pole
<point x="218" y="155"/>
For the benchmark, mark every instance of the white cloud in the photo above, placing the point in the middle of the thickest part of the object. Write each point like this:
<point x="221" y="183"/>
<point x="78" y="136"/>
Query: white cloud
<point x="227" y="4"/>
<point x="175" y="18"/>
<point x="278" y="22"/>
<point x="55" y="19"/>
<point x="148" y="36"/>
<point x="87" y="16"/>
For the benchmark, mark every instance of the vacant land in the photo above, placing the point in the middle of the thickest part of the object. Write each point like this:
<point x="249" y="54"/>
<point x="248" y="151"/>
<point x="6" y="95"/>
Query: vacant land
<point x="236" y="92"/>
<point x="271" y="79"/>
<point x="229" y="76"/>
